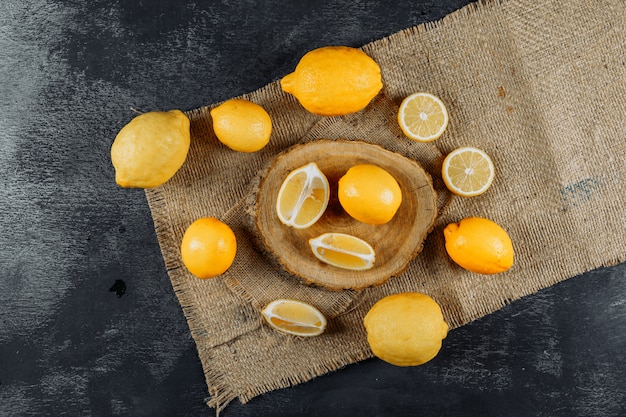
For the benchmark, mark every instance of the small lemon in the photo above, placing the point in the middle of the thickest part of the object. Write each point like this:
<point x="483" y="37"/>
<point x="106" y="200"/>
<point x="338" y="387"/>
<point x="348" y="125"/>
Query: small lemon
<point x="334" y="80"/>
<point x="242" y="125"/>
<point x="405" y="329"/>
<point x="150" y="149"/>
<point x="208" y="247"/>
<point x="479" y="245"/>
<point x="369" y="194"/>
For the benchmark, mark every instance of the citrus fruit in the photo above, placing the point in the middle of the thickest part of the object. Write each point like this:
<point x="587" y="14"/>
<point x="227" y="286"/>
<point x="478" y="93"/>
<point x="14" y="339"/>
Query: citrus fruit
<point x="405" y="329"/>
<point x="369" y="194"/>
<point x="294" y="317"/>
<point x="467" y="171"/>
<point x="343" y="251"/>
<point x="479" y="245"/>
<point x="334" y="80"/>
<point x="150" y="149"/>
<point x="303" y="196"/>
<point x="208" y="247"/>
<point x="422" y="117"/>
<point x="242" y="125"/>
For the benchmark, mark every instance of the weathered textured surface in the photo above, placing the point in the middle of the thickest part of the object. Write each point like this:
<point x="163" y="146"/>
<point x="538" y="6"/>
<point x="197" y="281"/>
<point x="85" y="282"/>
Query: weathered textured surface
<point x="69" y="345"/>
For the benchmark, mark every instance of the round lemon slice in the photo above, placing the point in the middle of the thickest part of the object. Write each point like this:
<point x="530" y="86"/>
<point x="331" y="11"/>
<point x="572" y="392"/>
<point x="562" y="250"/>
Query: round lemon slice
<point x="467" y="171"/>
<point x="422" y="117"/>
<point x="303" y="196"/>
<point x="343" y="251"/>
<point x="294" y="317"/>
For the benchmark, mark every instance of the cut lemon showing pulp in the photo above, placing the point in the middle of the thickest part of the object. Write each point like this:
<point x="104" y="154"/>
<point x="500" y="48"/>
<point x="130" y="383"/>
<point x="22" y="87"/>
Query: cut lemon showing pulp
<point x="422" y="117"/>
<point x="343" y="251"/>
<point x="467" y="172"/>
<point x="303" y="197"/>
<point x="294" y="317"/>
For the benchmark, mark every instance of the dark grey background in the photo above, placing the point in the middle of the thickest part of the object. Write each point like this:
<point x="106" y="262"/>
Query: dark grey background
<point x="70" y="72"/>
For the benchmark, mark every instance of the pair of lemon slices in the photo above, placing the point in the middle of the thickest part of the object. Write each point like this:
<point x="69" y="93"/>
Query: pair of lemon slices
<point x="466" y="171"/>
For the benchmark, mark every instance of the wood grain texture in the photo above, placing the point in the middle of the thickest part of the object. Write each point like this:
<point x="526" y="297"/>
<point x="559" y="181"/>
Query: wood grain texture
<point x="70" y="73"/>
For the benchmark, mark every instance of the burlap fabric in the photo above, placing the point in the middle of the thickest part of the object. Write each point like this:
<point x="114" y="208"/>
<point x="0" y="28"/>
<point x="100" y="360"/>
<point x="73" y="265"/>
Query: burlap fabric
<point x="539" y="85"/>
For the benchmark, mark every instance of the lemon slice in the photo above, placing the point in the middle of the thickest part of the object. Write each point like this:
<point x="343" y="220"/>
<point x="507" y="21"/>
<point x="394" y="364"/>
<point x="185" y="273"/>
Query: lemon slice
<point x="294" y="317"/>
<point x="467" y="171"/>
<point x="343" y="251"/>
<point x="303" y="197"/>
<point x="422" y="117"/>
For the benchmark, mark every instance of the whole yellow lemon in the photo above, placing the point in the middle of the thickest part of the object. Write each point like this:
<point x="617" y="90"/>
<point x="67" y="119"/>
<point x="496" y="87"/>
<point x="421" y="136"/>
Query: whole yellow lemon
<point x="150" y="149"/>
<point x="369" y="194"/>
<point x="405" y="329"/>
<point x="208" y="247"/>
<point x="334" y="80"/>
<point x="479" y="245"/>
<point x="242" y="125"/>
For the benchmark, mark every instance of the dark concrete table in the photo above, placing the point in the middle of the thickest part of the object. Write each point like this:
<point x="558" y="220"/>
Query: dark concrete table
<point x="74" y="341"/>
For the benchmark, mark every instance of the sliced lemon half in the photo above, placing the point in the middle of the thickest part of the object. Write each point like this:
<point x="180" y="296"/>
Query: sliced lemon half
<point x="343" y="251"/>
<point x="303" y="196"/>
<point x="422" y="117"/>
<point x="468" y="171"/>
<point x="294" y="317"/>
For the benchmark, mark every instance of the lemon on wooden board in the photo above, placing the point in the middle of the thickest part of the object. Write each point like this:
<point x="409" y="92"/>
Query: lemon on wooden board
<point x="369" y="194"/>
<point x="150" y="149"/>
<point x="334" y="80"/>
<point x="405" y="329"/>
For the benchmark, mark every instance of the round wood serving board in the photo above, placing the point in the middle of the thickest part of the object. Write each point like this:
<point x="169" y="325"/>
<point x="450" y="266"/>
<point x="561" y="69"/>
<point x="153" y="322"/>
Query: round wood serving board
<point x="396" y="243"/>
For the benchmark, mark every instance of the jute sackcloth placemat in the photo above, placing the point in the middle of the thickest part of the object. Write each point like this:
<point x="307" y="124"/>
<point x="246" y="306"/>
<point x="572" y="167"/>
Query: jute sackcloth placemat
<point x="539" y="85"/>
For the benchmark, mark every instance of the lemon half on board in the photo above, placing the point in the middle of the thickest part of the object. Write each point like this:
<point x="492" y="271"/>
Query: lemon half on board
<point x="343" y="251"/>
<point x="303" y="196"/>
